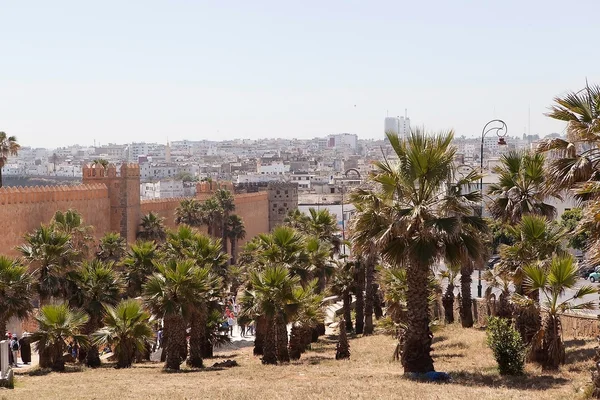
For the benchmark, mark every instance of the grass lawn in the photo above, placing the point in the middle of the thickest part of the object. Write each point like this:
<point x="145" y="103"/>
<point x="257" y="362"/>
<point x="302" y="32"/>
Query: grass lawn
<point x="370" y="374"/>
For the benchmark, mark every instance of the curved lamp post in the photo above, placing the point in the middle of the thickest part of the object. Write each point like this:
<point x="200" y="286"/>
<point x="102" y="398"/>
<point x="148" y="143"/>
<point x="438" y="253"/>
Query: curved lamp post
<point x="501" y="130"/>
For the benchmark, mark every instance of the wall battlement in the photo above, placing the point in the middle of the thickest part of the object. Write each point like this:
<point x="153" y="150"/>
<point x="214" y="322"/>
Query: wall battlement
<point x="45" y="194"/>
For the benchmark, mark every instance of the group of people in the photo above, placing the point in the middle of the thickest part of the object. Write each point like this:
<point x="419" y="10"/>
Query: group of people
<point x="232" y="317"/>
<point x="18" y="346"/>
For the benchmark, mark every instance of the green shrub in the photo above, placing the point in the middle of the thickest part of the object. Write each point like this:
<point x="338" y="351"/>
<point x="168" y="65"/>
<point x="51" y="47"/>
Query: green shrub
<point x="507" y="345"/>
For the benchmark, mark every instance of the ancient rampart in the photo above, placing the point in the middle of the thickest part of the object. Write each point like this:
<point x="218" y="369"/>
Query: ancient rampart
<point x="24" y="209"/>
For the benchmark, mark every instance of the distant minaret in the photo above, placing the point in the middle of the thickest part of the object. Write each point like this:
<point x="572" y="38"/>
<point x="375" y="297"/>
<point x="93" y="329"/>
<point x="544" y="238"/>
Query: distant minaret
<point x="168" y="152"/>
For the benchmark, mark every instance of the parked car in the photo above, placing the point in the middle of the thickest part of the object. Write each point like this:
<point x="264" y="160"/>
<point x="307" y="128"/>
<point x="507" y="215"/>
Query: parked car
<point x="586" y="270"/>
<point x="595" y="275"/>
<point x="495" y="259"/>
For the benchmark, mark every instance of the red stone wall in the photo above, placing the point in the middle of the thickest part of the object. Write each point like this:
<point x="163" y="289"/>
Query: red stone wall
<point x="24" y="209"/>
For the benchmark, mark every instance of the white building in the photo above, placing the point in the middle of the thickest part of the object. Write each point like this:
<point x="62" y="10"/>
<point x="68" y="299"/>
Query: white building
<point x="342" y="140"/>
<point x="135" y="150"/>
<point x="274" y="168"/>
<point x="397" y="125"/>
<point x="162" y="189"/>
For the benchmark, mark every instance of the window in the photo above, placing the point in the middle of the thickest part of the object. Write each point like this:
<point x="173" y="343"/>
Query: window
<point x="332" y="190"/>
<point x="286" y="192"/>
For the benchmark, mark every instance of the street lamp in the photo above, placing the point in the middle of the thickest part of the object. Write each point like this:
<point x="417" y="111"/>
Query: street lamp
<point x="500" y="128"/>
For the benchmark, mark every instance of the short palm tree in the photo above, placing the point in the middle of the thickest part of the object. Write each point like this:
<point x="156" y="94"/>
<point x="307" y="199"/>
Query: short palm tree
<point x="274" y="288"/>
<point x="284" y="246"/>
<point x="343" y="285"/>
<point x="235" y="231"/>
<point x="296" y="219"/>
<point x="422" y="220"/>
<point x="521" y="187"/>
<point x="126" y="329"/>
<point x="50" y="253"/>
<point x="71" y="222"/>
<point x="207" y="252"/>
<point x="499" y="278"/>
<point x="308" y="314"/>
<point x="152" y="228"/>
<point x="170" y="294"/>
<point x="97" y="285"/>
<point x="57" y="324"/>
<point x="189" y="213"/>
<point x="8" y="147"/>
<point x="138" y="265"/>
<point x="112" y="247"/>
<point x="16" y="291"/>
<point x="210" y="216"/>
<point x="552" y="282"/>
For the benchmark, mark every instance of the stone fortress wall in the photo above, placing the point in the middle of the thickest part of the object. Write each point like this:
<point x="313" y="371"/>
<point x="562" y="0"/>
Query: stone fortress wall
<point x="24" y="209"/>
<point x="109" y="199"/>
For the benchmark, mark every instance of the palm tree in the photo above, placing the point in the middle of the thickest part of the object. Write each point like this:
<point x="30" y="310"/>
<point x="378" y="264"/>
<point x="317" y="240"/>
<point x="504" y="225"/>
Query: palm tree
<point x="274" y="288"/>
<point x="422" y="220"/>
<point x="112" y="247"/>
<point x="71" y="222"/>
<point x="206" y="252"/>
<point x="562" y="274"/>
<point x="580" y="152"/>
<point x="537" y="241"/>
<point x="171" y="293"/>
<point x="499" y="278"/>
<point x="152" y="228"/>
<point x="448" y="299"/>
<point x="296" y="219"/>
<point x="97" y="285"/>
<point x="101" y="161"/>
<point x="50" y="253"/>
<point x="8" y="147"/>
<point x="367" y="205"/>
<point x="210" y="215"/>
<point x="189" y="213"/>
<point x="139" y="265"/>
<point x="521" y="187"/>
<point x="226" y="206"/>
<point x="322" y="224"/>
<point x="235" y="231"/>
<point x="284" y="246"/>
<point x="58" y="323"/>
<point x="16" y="291"/>
<point x="342" y="351"/>
<point x="342" y="285"/>
<point x="308" y="314"/>
<point x="126" y="329"/>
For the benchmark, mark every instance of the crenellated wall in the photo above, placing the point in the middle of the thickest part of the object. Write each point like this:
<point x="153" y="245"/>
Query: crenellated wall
<point x="24" y="209"/>
<point x="164" y="208"/>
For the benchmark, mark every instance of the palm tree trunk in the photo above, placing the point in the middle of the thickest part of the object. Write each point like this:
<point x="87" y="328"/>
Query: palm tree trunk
<point x="270" y="345"/>
<point x="297" y="342"/>
<point x="554" y="349"/>
<point x="359" y="305"/>
<point x="260" y="335"/>
<point x="466" y="305"/>
<point x="416" y="355"/>
<point x="176" y="326"/>
<point x="233" y="249"/>
<point x="342" y="351"/>
<point x="197" y="332"/>
<point x="347" y="298"/>
<point x="282" y="339"/>
<point x="448" y="302"/>
<point x="370" y="295"/>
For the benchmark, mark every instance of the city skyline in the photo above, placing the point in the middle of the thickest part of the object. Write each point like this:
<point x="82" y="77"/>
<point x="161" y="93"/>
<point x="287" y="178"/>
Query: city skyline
<point x="75" y="72"/>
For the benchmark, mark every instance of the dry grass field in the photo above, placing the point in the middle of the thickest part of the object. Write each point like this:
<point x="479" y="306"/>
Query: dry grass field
<point x="370" y="374"/>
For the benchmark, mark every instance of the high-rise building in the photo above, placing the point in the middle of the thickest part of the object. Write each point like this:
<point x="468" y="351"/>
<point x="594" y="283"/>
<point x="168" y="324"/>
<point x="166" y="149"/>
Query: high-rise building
<point x="397" y="125"/>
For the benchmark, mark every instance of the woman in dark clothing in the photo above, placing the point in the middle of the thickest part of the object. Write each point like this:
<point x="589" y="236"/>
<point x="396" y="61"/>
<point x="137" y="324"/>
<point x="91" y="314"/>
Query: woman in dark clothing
<point x="25" y="349"/>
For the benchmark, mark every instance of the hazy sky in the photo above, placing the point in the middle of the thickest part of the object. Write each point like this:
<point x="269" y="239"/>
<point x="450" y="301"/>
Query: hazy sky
<point x="121" y="71"/>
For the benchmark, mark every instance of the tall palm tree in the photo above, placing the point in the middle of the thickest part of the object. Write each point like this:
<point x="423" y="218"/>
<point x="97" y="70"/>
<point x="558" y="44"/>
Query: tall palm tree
<point x="188" y="212"/>
<point x="58" y="323"/>
<point x="285" y="246"/>
<point x="171" y="293"/>
<point x="206" y="252"/>
<point x="210" y="215"/>
<point x="235" y="231"/>
<point x="562" y="274"/>
<point x="152" y="228"/>
<point x="139" y="265"/>
<point x="343" y="285"/>
<point x="112" y="247"/>
<point x="126" y="329"/>
<point x="8" y="147"/>
<point x="422" y="221"/>
<point x="274" y="288"/>
<point x="97" y="285"/>
<point x="226" y="206"/>
<point x="16" y="291"/>
<point x="367" y="204"/>
<point x="50" y="253"/>
<point x="521" y="187"/>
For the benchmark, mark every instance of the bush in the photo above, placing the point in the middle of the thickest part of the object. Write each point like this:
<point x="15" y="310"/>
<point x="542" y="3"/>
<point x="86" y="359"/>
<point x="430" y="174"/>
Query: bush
<point x="507" y="345"/>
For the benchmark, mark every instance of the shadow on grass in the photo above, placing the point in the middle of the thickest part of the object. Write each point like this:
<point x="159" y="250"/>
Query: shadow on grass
<point x="451" y="355"/>
<point x="315" y="360"/>
<point x="222" y="356"/>
<point x="525" y="382"/>
<point x="437" y="339"/>
<point x="37" y="371"/>
<point x="451" y="345"/>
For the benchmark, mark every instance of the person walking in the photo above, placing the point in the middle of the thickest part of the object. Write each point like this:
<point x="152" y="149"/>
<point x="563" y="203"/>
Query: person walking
<point x="14" y="347"/>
